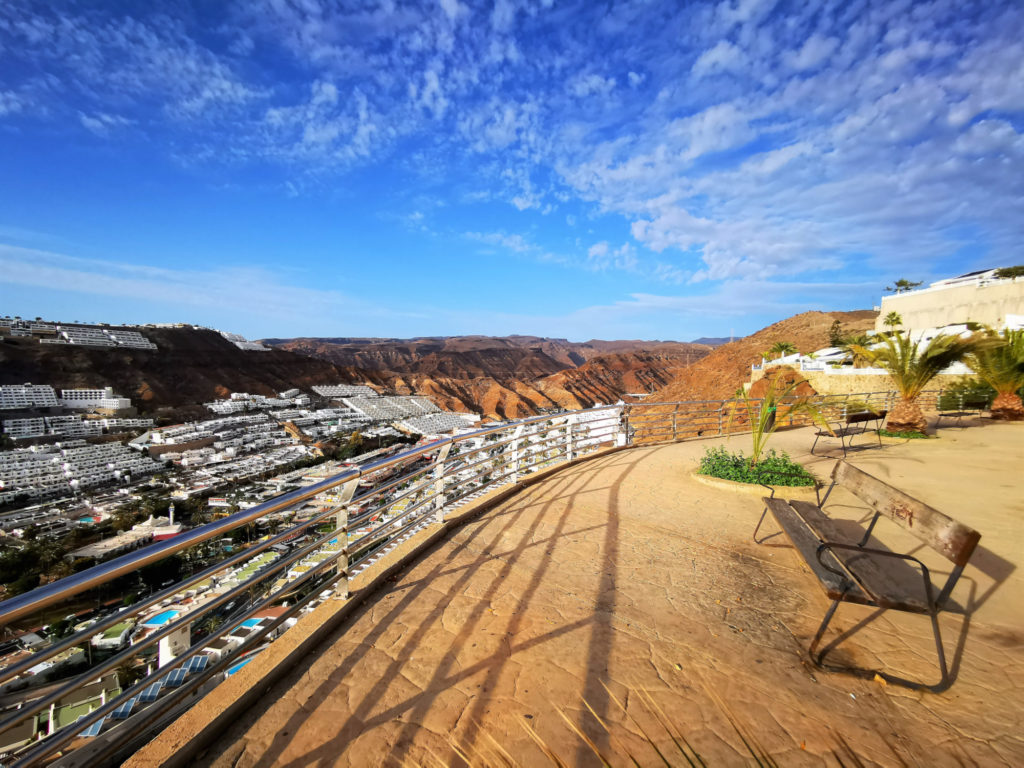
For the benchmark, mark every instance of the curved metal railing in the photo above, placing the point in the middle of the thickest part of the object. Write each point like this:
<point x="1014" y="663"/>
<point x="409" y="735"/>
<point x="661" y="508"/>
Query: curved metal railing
<point x="364" y="513"/>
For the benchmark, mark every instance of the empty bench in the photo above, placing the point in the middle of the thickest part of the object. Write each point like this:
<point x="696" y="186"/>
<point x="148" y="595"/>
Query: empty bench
<point x="848" y="428"/>
<point x="969" y="407"/>
<point x="854" y="573"/>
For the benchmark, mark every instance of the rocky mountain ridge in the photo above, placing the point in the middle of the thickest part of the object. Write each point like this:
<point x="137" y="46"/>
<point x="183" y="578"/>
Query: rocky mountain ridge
<point x="508" y="376"/>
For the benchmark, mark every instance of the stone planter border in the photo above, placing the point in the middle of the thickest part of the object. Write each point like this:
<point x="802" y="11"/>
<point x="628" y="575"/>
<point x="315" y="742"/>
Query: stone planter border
<point x="752" y="489"/>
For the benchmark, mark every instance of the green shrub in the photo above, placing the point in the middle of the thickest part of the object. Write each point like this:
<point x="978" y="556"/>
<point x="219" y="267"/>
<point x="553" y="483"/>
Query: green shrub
<point x="1005" y="272"/>
<point x="965" y="388"/>
<point x="773" y="468"/>
<point x="905" y="435"/>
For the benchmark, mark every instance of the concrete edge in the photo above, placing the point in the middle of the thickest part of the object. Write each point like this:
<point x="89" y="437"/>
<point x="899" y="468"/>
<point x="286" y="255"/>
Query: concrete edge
<point x="781" y="491"/>
<point x="177" y="747"/>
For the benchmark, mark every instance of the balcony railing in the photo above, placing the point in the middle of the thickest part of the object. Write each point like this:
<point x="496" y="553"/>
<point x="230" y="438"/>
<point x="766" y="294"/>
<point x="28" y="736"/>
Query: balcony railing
<point x="364" y="514"/>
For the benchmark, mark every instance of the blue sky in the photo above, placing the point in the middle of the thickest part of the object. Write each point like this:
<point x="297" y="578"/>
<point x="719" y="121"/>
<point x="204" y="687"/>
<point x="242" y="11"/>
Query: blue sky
<point x="608" y="170"/>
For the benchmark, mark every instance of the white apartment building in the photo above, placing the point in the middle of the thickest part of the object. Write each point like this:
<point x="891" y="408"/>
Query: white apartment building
<point x="85" y="399"/>
<point x="40" y="426"/>
<point x="19" y="396"/>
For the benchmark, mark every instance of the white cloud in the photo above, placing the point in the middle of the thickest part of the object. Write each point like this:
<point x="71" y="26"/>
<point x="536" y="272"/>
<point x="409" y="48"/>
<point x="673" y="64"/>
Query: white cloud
<point x="10" y="103"/>
<point x="812" y="53"/>
<point x="246" y="292"/>
<point x="101" y="123"/>
<point x="585" y="85"/>
<point x="723" y="57"/>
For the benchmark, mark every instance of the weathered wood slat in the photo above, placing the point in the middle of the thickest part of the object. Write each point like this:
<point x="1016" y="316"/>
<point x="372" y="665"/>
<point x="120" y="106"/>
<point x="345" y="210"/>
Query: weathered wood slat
<point x="807" y="543"/>
<point x="954" y="541"/>
<point x="890" y="582"/>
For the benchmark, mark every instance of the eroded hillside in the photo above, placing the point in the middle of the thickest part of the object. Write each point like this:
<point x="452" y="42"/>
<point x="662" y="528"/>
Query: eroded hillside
<point x="190" y="367"/>
<point x="723" y="371"/>
<point x="512" y="376"/>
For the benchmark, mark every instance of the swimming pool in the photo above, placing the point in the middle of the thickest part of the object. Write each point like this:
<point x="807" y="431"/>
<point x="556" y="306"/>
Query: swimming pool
<point x="160" y="619"/>
<point x="238" y="666"/>
<point x="251" y="622"/>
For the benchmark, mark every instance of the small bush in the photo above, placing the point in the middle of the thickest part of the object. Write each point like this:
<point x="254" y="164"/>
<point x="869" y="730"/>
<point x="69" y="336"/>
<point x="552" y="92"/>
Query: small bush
<point x="905" y="435"/>
<point x="967" y="388"/>
<point x="773" y="469"/>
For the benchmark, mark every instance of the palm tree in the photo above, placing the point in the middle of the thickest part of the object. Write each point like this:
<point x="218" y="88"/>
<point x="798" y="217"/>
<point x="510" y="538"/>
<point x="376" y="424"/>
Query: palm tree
<point x="764" y="414"/>
<point x="912" y="365"/>
<point x="851" y="344"/>
<point x="782" y="348"/>
<point x="901" y="285"/>
<point x="892" y="320"/>
<point x="1001" y="366"/>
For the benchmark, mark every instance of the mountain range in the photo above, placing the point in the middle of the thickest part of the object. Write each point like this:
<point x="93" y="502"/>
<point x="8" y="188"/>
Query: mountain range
<point x="497" y="377"/>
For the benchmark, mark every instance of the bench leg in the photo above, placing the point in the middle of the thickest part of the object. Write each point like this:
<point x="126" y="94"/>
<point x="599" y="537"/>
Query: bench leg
<point x="940" y="652"/>
<point x="815" y="443"/>
<point x="821" y="631"/>
<point x="764" y="513"/>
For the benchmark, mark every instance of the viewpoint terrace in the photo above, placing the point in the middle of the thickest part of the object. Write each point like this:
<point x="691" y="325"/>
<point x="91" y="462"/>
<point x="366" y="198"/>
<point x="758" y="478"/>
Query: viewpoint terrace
<point x="627" y="572"/>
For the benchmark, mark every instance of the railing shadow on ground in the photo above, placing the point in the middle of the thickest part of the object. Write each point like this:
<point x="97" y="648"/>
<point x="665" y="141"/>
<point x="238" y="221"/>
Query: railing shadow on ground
<point x="411" y="710"/>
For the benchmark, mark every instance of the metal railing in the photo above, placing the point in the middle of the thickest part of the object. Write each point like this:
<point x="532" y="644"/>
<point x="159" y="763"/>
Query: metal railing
<point x="364" y="513"/>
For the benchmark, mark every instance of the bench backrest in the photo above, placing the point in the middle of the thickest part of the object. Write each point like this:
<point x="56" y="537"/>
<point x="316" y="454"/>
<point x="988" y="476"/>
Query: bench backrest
<point x="955" y="541"/>
<point x="855" y="418"/>
<point x="979" y="403"/>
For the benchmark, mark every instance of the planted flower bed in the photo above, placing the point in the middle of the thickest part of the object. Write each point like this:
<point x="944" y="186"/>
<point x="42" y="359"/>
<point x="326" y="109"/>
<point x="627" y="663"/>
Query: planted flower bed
<point x="772" y="469"/>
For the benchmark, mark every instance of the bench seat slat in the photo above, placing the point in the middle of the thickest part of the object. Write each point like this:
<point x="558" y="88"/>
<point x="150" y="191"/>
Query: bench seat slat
<point x="807" y="543"/>
<point x="891" y="582"/>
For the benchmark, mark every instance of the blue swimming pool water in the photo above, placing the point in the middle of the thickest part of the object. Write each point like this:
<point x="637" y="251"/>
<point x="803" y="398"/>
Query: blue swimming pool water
<point x="238" y="666"/>
<point x="250" y="622"/>
<point x="160" y="619"/>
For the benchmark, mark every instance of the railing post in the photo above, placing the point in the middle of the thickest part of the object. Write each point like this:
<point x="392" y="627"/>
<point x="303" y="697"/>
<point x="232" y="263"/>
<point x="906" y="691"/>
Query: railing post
<point x="675" y="414"/>
<point x="569" y="420"/>
<point x="348" y="490"/>
<point x="622" y="438"/>
<point x="721" y="416"/>
<point x="513" y="448"/>
<point x="442" y="455"/>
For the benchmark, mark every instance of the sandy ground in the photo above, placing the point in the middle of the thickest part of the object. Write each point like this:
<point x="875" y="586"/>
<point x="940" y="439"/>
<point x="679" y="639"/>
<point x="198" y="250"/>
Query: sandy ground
<point x="625" y="572"/>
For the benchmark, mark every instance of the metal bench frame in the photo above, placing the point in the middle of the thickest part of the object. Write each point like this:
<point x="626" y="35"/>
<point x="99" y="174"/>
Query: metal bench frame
<point x="971" y="407"/>
<point x="847" y="428"/>
<point x="955" y="541"/>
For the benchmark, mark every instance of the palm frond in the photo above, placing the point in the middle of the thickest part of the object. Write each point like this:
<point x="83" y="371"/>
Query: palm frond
<point x="912" y="364"/>
<point x="1000" y="364"/>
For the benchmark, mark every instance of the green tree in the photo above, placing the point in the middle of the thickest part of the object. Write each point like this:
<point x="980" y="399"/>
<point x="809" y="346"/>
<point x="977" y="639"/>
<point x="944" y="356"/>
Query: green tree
<point x="912" y="366"/>
<point x="901" y="285"/>
<point x="1001" y="366"/>
<point x="835" y="333"/>
<point x="783" y="348"/>
<point x="892" y="320"/>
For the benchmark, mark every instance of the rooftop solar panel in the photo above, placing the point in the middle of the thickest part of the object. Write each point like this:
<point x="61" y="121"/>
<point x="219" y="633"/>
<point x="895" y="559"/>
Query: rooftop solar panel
<point x="149" y="695"/>
<point x="176" y="678"/>
<point x="124" y="710"/>
<point x="199" y="663"/>
<point x="94" y="729"/>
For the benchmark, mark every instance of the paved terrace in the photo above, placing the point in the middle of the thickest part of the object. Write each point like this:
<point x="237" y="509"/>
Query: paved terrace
<point x="626" y="571"/>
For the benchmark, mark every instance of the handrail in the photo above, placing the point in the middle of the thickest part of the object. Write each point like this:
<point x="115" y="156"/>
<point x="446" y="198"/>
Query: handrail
<point x="386" y="513"/>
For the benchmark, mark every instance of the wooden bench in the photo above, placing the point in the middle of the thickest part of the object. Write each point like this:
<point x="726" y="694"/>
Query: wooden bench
<point x="969" y="407"/>
<point x="853" y="573"/>
<point x="854" y="424"/>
